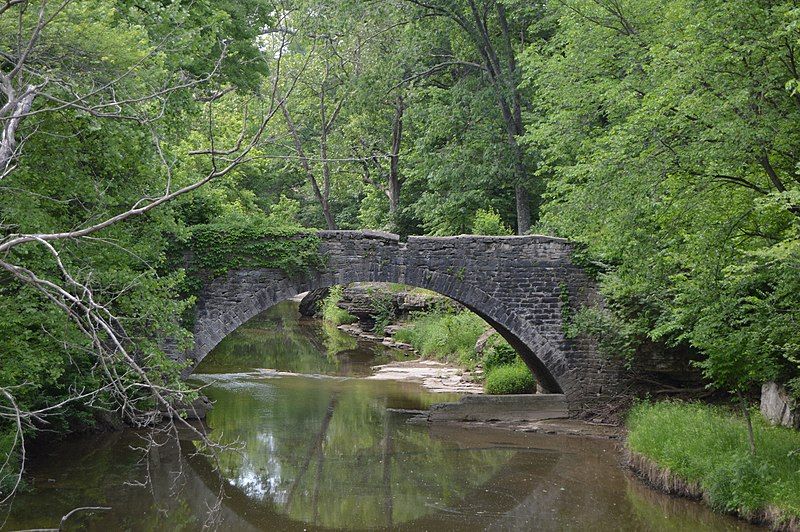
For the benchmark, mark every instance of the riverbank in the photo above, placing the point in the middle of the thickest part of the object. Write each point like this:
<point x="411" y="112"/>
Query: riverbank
<point x="433" y="376"/>
<point x="430" y="326"/>
<point x="701" y="452"/>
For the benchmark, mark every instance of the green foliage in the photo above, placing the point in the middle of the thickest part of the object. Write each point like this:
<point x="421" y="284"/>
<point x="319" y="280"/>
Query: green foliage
<point x="510" y="379"/>
<point x="499" y="354"/>
<point x="240" y="242"/>
<point x="459" y="163"/>
<point x="488" y="222"/>
<point x="285" y="213"/>
<point x="331" y="313"/>
<point x="383" y="307"/>
<point x="667" y="160"/>
<point x="708" y="445"/>
<point x="738" y="485"/>
<point x="444" y="335"/>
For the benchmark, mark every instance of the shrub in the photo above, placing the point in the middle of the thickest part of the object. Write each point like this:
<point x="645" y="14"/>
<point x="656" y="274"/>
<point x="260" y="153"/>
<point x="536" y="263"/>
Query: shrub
<point x="332" y="313"/>
<point x="504" y="380"/>
<point x="383" y="307"/>
<point x="500" y="354"/>
<point x="284" y="213"/>
<point x="488" y="222"/>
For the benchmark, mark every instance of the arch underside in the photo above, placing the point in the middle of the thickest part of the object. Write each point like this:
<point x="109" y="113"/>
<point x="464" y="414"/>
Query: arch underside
<point x="253" y="292"/>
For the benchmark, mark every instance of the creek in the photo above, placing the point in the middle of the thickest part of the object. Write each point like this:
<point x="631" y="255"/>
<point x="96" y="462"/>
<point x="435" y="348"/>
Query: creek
<point x="319" y="447"/>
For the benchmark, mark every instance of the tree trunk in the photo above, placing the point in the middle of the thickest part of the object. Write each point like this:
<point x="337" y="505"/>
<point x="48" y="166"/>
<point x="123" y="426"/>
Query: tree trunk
<point x="523" y="209"/>
<point x="394" y="157"/>
<point x="504" y="82"/>
<point x="315" y="449"/>
<point x="515" y="127"/>
<point x="326" y="181"/>
<point x="749" y="421"/>
<point x="298" y="146"/>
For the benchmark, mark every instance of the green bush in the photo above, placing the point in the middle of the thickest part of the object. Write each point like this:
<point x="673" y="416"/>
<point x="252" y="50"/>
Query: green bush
<point x="708" y="445"/>
<point x="444" y="335"/>
<point x="238" y="241"/>
<point x="504" y="380"/>
<point x="488" y="222"/>
<point x="284" y="213"/>
<point x="500" y="354"/>
<point x="383" y="307"/>
<point x="330" y="312"/>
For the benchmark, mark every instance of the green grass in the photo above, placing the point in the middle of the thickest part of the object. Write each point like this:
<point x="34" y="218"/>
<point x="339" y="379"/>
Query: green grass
<point x="333" y="314"/>
<point x="508" y="379"/>
<point x="500" y="353"/>
<point x="444" y="335"/>
<point x="707" y="445"/>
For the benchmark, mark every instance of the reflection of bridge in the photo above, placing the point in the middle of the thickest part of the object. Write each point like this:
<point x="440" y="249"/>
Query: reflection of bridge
<point x="522" y="286"/>
<point x="525" y="493"/>
<point x="498" y="500"/>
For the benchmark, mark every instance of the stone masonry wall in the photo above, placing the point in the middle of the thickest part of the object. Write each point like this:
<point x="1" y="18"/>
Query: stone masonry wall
<point x="522" y="286"/>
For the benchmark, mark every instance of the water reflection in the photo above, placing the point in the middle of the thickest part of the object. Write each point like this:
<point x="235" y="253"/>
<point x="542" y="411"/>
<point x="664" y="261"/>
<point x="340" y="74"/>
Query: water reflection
<point x="335" y="452"/>
<point x="278" y="339"/>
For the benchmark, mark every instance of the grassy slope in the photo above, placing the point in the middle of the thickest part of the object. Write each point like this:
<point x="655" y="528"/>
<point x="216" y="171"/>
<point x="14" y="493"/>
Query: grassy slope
<point x="707" y="447"/>
<point x="444" y="335"/>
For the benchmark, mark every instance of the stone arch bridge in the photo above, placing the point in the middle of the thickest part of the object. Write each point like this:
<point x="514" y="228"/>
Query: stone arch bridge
<point x="523" y="286"/>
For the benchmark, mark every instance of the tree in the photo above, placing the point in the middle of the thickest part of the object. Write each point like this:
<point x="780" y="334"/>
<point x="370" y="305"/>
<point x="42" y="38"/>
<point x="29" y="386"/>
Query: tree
<point x="668" y="136"/>
<point x="98" y="99"/>
<point x="491" y="36"/>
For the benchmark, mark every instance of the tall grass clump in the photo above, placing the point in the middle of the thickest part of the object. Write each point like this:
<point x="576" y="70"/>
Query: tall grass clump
<point x="330" y="312"/>
<point x="706" y="449"/>
<point x="509" y="379"/>
<point x="500" y="354"/>
<point x="444" y="335"/>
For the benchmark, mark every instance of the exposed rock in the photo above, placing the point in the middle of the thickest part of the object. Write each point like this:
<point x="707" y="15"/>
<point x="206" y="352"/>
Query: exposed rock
<point x="434" y="376"/>
<point x="778" y="407"/>
<point x="309" y="305"/>
<point x="388" y="342"/>
<point x="408" y="301"/>
<point x="355" y="330"/>
<point x="367" y="301"/>
<point x="483" y="339"/>
<point x="358" y="300"/>
<point x="391" y="330"/>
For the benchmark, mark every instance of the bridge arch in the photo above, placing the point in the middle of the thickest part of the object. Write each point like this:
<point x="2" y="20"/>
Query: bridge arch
<point x="524" y="287"/>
